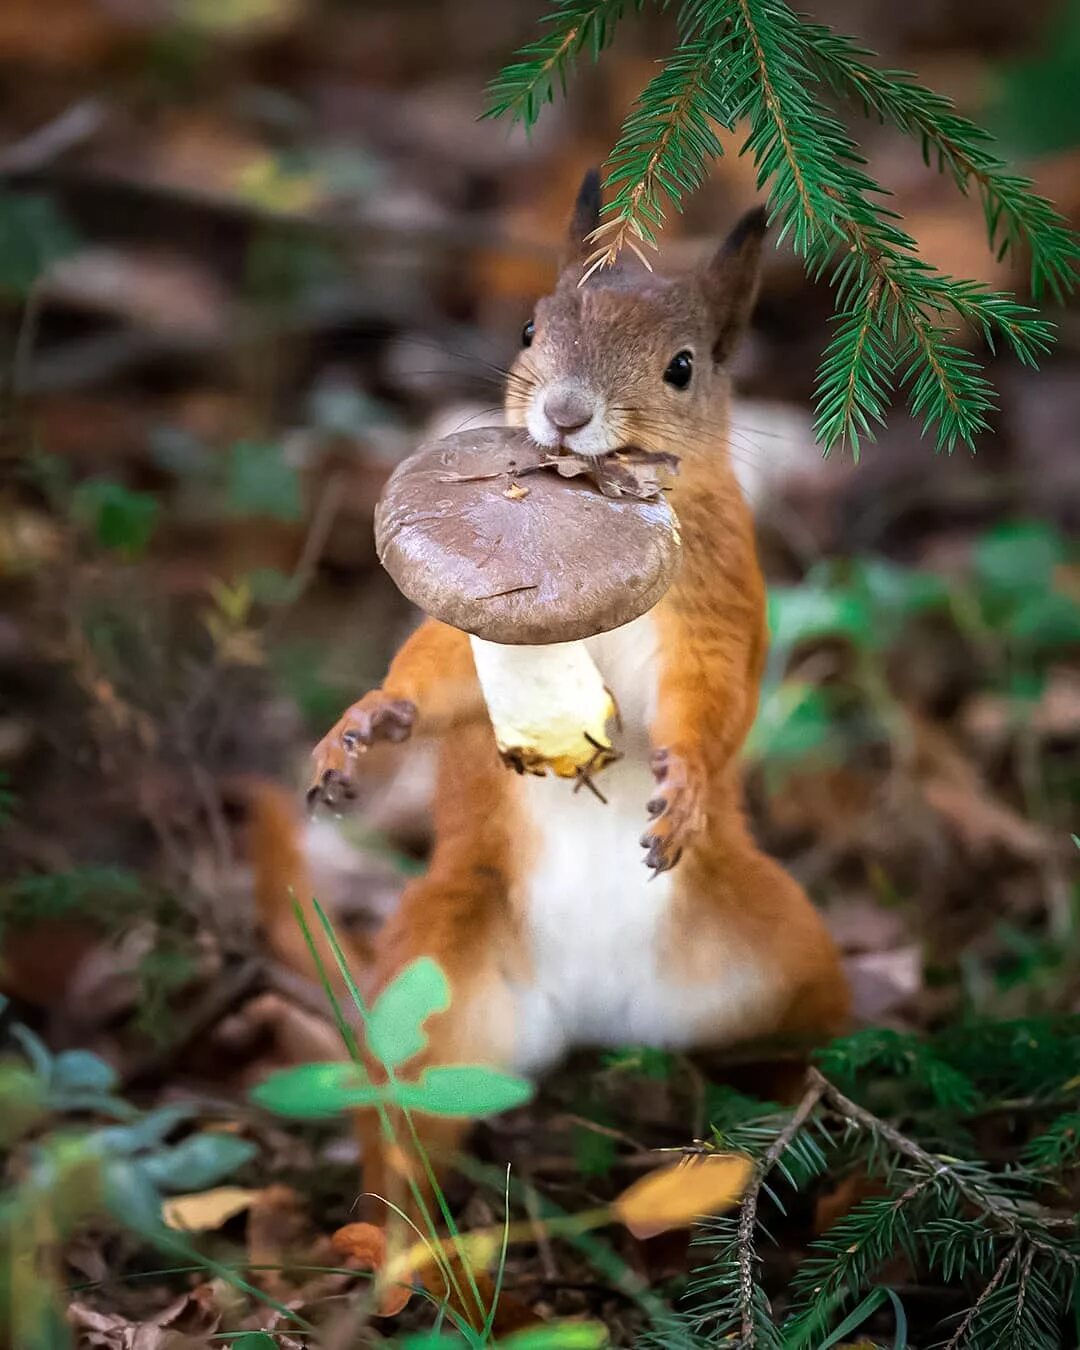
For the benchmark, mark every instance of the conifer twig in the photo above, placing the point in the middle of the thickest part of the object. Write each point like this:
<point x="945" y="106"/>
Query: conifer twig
<point x="957" y="1338"/>
<point x="748" y="1209"/>
<point x="761" y="63"/>
<point x="938" y="1167"/>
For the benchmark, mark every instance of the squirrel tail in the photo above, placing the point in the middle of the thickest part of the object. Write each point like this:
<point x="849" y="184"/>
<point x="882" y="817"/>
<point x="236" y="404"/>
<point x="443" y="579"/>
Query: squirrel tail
<point x="274" y="845"/>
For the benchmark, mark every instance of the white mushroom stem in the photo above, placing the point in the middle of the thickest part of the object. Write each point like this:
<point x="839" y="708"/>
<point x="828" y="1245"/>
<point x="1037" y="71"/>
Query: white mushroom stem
<point x="549" y="706"/>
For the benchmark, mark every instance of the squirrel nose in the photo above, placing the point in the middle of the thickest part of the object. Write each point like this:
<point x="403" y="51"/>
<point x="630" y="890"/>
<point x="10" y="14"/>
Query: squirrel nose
<point x="568" y="410"/>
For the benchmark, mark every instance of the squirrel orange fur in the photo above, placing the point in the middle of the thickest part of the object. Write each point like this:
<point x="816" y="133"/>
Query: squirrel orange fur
<point x="536" y="903"/>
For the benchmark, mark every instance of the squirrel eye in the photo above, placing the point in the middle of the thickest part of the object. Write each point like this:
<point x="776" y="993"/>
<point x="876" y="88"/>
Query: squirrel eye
<point x="528" y="333"/>
<point x="680" y="368"/>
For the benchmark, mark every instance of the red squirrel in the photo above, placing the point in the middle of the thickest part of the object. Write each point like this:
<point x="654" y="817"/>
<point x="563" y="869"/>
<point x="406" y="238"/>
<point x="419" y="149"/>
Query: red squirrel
<point x="652" y="917"/>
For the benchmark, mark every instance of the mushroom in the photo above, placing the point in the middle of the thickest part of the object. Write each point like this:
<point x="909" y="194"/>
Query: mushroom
<point x="531" y="553"/>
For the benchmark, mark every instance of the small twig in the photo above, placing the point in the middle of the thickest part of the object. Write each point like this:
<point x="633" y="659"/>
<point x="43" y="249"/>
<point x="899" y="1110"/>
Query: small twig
<point x="601" y="756"/>
<point x="24" y="343"/>
<point x="748" y="1212"/>
<point x="620" y="1136"/>
<point x="957" y="1339"/>
<point x="1024" y="1273"/>
<point x="73" y="127"/>
<point x="543" y="1244"/>
<point x="318" y="532"/>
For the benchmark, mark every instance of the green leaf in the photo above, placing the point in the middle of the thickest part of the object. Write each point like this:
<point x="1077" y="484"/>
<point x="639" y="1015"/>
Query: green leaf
<point x="122" y="521"/>
<point x="255" y="1340"/>
<point x="794" y="720"/>
<point x="81" y="1071"/>
<point x="33" y="235"/>
<point x="898" y="591"/>
<point x="1047" y="621"/>
<point x="144" y="1133"/>
<point x="808" y="612"/>
<point x="34" y="1048"/>
<point x="314" y="1091"/>
<point x="395" y="1030"/>
<point x="22" y="1101"/>
<point x="132" y="1199"/>
<point x="270" y="587"/>
<point x="1017" y="559"/>
<point x="461" y="1090"/>
<point x="559" y="1336"/>
<point x="260" y="483"/>
<point x="199" y="1162"/>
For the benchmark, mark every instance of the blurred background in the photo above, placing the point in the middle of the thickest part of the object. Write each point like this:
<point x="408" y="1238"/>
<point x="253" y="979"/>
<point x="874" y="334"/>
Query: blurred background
<point x="250" y="252"/>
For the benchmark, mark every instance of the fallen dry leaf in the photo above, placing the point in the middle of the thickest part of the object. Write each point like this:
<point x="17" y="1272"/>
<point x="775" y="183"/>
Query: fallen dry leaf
<point x="624" y="473"/>
<point x="675" y="1196"/>
<point x="363" y="1245"/>
<point x="882" y="982"/>
<point x="190" y="1319"/>
<point x="277" y="1228"/>
<point x="204" y="1211"/>
<point x="282" y="1248"/>
<point x="158" y="291"/>
<point x="480" y="1250"/>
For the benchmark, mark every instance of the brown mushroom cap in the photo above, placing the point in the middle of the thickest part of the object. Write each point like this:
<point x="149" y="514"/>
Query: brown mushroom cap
<point x="557" y="562"/>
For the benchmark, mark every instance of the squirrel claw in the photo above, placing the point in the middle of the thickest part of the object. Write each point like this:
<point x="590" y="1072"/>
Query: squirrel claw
<point x="374" y="718"/>
<point x="675" y="814"/>
<point x="331" y="789"/>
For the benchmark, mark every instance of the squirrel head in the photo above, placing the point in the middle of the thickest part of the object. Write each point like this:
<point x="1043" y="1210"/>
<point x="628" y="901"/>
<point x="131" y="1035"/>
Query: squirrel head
<point x="629" y="357"/>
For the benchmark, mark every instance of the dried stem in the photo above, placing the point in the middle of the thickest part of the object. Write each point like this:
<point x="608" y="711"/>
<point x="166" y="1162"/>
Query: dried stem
<point x="748" y="1212"/>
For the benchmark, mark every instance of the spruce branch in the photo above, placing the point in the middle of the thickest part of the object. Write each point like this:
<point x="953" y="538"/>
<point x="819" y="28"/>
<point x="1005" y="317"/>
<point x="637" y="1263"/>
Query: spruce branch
<point x="961" y="1178"/>
<point x="855" y="378"/>
<point x="957" y="1339"/>
<point x="1058" y="1147"/>
<point x="947" y="388"/>
<point x="899" y="321"/>
<point x="665" y="148"/>
<point x="1015" y="212"/>
<point x="523" y="87"/>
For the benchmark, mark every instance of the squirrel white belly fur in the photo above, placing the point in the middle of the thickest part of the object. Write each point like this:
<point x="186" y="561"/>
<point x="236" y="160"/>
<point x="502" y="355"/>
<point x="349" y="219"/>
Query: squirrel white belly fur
<point x="596" y="922"/>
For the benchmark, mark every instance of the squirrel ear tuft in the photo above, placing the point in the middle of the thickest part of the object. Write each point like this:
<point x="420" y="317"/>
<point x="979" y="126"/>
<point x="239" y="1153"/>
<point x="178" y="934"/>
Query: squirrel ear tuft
<point x="585" y="219"/>
<point x="731" y="278"/>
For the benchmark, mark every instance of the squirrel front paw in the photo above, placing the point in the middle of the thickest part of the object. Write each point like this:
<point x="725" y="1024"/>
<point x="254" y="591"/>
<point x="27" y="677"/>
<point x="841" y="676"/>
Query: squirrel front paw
<point x="677" y="810"/>
<point x="376" y="717"/>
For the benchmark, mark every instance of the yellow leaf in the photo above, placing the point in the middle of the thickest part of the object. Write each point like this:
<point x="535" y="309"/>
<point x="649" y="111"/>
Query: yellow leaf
<point x="480" y="1250"/>
<point x="675" y="1196"/>
<point x="233" y="601"/>
<point x="206" y="1210"/>
<point x="268" y="183"/>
